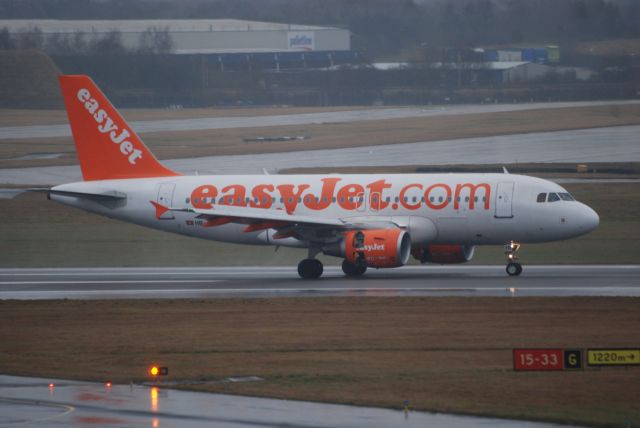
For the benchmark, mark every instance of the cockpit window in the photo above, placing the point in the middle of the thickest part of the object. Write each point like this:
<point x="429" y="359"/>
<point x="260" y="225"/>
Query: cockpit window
<point x="542" y="197"/>
<point x="553" y="197"/>
<point x="566" y="197"/>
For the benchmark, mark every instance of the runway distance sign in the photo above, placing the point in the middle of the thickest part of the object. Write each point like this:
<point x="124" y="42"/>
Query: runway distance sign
<point x="613" y="357"/>
<point x="538" y="359"/>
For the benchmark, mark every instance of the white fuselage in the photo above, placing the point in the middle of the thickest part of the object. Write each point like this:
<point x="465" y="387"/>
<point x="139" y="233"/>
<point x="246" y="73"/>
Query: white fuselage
<point x="465" y="209"/>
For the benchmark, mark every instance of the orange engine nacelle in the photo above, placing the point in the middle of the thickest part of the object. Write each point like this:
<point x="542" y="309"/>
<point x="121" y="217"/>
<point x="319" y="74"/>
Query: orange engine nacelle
<point x="380" y="248"/>
<point x="444" y="254"/>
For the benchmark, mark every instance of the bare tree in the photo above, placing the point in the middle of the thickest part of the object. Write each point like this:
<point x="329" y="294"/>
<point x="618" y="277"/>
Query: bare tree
<point x="6" y="41"/>
<point x="30" y="39"/>
<point x="155" y="40"/>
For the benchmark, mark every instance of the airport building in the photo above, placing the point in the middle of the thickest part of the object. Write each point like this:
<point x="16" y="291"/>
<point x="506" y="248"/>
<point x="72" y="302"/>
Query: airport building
<point x="223" y="41"/>
<point x="201" y="36"/>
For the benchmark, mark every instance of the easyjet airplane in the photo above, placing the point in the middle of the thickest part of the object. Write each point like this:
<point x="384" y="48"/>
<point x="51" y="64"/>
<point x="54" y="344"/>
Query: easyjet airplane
<point x="368" y="220"/>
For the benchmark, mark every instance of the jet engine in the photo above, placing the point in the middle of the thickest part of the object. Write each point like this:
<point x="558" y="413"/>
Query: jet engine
<point x="444" y="254"/>
<point x="378" y="248"/>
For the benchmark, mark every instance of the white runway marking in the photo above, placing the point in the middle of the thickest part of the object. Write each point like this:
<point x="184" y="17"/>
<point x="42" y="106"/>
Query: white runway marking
<point x="149" y="281"/>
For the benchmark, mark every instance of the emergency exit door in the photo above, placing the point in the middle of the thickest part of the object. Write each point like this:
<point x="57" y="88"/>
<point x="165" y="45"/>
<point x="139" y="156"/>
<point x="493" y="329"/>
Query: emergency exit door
<point x="504" y="200"/>
<point x="165" y="198"/>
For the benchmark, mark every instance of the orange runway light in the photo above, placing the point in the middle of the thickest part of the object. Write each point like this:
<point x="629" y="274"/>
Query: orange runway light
<point x="108" y="384"/>
<point x="158" y="371"/>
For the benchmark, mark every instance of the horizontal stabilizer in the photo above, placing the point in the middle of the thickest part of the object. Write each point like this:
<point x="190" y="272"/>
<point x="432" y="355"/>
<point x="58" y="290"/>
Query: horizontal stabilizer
<point x="103" y="195"/>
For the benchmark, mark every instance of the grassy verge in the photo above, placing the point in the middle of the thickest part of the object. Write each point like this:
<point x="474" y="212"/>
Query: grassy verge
<point x="37" y="232"/>
<point x="442" y="354"/>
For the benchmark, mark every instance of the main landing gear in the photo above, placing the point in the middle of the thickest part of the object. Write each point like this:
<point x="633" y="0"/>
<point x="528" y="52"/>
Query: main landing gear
<point x="311" y="268"/>
<point x="354" y="269"/>
<point x="513" y="267"/>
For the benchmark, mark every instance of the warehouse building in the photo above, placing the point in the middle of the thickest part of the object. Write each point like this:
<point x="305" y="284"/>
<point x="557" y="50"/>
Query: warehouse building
<point x="201" y="36"/>
<point x="223" y="41"/>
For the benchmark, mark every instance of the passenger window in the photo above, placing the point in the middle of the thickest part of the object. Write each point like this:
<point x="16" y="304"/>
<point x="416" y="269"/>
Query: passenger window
<point x="566" y="197"/>
<point x="553" y="197"/>
<point x="186" y="201"/>
<point x="542" y="197"/>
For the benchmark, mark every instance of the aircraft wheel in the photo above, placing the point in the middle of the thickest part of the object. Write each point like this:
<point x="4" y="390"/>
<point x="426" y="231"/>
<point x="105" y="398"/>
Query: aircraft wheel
<point x="514" y="269"/>
<point x="353" y="269"/>
<point x="310" y="268"/>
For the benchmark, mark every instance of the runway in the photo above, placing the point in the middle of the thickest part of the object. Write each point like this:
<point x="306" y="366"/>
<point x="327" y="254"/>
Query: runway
<point x="271" y="282"/>
<point x="207" y="123"/>
<point x="53" y="402"/>
<point x="611" y="144"/>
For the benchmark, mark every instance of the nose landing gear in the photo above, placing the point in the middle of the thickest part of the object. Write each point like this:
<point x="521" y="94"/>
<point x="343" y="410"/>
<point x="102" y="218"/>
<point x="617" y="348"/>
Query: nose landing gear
<point x="513" y="267"/>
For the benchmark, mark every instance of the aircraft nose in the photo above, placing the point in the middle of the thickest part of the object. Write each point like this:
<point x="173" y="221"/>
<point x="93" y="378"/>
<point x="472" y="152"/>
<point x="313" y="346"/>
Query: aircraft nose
<point x="588" y="219"/>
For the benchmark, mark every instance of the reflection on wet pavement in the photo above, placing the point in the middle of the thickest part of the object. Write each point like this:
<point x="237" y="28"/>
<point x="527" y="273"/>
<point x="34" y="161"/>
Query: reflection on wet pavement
<point x="33" y="401"/>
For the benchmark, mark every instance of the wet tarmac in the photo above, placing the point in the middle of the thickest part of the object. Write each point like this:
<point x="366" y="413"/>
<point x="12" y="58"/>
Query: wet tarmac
<point x="54" y="402"/>
<point x="613" y="144"/>
<point x="198" y="124"/>
<point x="271" y="282"/>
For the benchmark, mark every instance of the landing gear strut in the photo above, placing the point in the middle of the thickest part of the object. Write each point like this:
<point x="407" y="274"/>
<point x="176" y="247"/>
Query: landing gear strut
<point x="513" y="267"/>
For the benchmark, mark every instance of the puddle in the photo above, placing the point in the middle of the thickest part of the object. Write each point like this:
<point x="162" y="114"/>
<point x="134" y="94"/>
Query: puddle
<point x="38" y="156"/>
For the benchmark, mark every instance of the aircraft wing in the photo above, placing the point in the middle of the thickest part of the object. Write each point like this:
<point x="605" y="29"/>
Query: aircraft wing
<point x="260" y="215"/>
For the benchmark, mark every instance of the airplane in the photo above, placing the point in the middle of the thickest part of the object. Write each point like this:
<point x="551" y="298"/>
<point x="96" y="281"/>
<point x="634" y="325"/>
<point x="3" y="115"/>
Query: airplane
<point x="368" y="220"/>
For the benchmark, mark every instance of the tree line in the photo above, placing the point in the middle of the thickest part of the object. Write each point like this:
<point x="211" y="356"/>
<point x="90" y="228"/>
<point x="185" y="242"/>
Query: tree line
<point x="154" y="40"/>
<point x="381" y="27"/>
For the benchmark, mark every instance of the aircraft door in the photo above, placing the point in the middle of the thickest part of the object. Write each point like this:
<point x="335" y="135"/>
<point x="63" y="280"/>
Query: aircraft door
<point x="165" y="198"/>
<point x="504" y="200"/>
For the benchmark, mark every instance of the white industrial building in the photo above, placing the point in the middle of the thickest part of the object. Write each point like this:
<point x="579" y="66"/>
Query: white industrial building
<point x="201" y="36"/>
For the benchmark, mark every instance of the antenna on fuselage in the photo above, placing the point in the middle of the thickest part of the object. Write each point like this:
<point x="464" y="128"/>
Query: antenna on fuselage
<point x="505" y="170"/>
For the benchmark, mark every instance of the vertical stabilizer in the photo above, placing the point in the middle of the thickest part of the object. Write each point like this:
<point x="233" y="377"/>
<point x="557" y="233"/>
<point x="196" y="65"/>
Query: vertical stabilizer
<point x="107" y="147"/>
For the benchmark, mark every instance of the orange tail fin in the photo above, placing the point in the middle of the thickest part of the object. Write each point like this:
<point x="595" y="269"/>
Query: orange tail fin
<point x="107" y="147"/>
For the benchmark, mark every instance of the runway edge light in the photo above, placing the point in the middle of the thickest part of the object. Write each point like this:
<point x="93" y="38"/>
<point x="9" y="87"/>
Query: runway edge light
<point x="158" y="371"/>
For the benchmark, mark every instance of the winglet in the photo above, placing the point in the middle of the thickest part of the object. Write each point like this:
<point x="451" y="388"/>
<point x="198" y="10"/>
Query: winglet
<point x="106" y="145"/>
